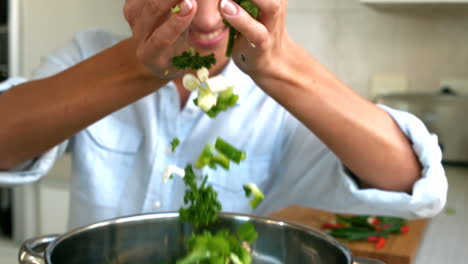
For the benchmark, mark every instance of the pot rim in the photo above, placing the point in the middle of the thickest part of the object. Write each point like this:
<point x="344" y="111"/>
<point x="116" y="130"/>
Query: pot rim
<point x="246" y="217"/>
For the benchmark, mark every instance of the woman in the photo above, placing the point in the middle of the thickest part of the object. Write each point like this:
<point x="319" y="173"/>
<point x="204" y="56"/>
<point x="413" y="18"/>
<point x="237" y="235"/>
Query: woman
<point x="117" y="103"/>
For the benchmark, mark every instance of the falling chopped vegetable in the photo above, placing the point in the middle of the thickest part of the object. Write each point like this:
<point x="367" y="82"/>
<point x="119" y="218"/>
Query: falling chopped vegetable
<point x="202" y="200"/>
<point x="251" y="189"/>
<point x="170" y="171"/>
<point x="221" y="248"/>
<point x="450" y="211"/>
<point x="214" y="94"/>
<point x="174" y="144"/>
<point x="229" y="151"/>
<point x="226" y="153"/>
<point x="192" y="60"/>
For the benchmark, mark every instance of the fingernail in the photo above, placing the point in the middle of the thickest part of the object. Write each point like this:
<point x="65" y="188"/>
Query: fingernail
<point x="185" y="7"/>
<point x="228" y="7"/>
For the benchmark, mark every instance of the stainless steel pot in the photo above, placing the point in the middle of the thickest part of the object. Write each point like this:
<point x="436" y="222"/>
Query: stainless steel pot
<point x="159" y="238"/>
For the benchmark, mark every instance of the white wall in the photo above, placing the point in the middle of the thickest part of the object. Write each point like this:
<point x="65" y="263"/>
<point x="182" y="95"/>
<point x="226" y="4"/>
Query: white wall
<point x="49" y="24"/>
<point x="426" y="43"/>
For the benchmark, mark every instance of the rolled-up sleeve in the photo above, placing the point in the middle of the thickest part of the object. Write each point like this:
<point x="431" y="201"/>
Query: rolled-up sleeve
<point x="32" y="170"/>
<point x="309" y="174"/>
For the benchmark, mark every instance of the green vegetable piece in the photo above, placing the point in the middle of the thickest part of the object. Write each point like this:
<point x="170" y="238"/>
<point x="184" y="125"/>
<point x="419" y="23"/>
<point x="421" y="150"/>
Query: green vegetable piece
<point x="174" y="144"/>
<point x="229" y="151"/>
<point x="188" y="60"/>
<point x="222" y="160"/>
<point x="258" y="196"/>
<point x="208" y="248"/>
<point x="226" y="100"/>
<point x="202" y="201"/>
<point x="205" y="157"/>
<point x="450" y="211"/>
<point x="247" y="232"/>
<point x="175" y="9"/>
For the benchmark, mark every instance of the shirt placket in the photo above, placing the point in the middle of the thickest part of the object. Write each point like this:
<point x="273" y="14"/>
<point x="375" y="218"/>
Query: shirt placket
<point x="174" y="123"/>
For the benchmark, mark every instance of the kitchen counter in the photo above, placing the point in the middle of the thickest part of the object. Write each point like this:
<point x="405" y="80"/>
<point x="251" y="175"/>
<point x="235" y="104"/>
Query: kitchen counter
<point x="443" y="241"/>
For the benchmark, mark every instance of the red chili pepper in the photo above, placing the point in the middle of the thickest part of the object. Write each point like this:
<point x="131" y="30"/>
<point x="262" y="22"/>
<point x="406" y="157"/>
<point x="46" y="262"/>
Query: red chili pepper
<point x="383" y="227"/>
<point x="381" y="242"/>
<point x="372" y="238"/>
<point x="386" y="226"/>
<point x="332" y="226"/>
<point x="404" y="229"/>
<point x="373" y="221"/>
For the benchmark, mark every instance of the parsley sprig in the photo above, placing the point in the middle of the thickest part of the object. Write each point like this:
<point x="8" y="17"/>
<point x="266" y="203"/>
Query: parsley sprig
<point x="192" y="60"/>
<point x="202" y="200"/>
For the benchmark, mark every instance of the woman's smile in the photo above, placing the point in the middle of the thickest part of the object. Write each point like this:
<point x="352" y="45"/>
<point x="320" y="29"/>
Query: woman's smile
<point x="210" y="39"/>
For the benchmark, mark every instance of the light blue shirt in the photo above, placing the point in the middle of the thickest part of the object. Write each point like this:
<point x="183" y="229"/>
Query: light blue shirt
<point x="118" y="162"/>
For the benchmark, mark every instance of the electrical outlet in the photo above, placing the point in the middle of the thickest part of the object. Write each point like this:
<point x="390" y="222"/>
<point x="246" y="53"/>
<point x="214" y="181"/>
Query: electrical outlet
<point x="459" y="86"/>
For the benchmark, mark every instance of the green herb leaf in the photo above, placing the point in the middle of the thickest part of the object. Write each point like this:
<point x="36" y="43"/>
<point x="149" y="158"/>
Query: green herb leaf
<point x="188" y="60"/>
<point x="203" y="204"/>
<point x="247" y="232"/>
<point x="174" y="144"/>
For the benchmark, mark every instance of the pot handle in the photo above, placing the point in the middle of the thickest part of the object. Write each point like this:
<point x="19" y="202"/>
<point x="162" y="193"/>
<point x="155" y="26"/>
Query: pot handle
<point x="32" y="251"/>
<point x="361" y="260"/>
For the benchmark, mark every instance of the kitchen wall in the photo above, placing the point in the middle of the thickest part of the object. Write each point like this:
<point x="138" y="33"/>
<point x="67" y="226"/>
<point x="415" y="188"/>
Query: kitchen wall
<point x="425" y="43"/>
<point x="48" y="24"/>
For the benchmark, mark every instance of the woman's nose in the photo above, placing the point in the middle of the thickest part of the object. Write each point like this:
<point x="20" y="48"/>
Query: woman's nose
<point x="208" y="16"/>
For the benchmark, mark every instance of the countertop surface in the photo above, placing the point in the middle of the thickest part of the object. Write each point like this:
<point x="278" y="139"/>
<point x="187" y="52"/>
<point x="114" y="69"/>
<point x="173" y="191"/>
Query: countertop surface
<point x="443" y="241"/>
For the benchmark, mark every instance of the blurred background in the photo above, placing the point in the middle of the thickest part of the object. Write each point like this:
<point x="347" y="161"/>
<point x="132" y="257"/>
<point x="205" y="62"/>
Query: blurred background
<point x="410" y="56"/>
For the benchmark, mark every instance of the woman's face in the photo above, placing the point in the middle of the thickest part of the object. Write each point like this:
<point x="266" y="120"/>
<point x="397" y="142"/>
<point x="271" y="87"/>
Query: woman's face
<point x="208" y="33"/>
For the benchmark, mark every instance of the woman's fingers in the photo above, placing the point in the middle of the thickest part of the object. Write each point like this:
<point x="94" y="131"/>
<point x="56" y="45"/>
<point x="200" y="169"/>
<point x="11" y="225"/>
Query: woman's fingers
<point x="153" y="14"/>
<point x="167" y="33"/>
<point x="254" y="31"/>
<point x="132" y="10"/>
<point x="271" y="11"/>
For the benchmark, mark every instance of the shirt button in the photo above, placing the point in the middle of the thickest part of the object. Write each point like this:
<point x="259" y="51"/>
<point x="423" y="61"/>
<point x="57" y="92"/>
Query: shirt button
<point x="156" y="204"/>
<point x="195" y="110"/>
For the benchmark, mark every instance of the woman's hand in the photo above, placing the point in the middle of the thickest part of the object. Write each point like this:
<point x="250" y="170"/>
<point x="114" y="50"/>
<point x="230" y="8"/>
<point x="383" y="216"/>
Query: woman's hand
<point x="158" y="33"/>
<point x="261" y="45"/>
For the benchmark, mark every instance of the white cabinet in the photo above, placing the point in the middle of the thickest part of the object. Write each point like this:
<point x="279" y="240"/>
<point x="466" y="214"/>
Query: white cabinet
<point x="53" y="207"/>
<point x="414" y="1"/>
<point x="53" y="198"/>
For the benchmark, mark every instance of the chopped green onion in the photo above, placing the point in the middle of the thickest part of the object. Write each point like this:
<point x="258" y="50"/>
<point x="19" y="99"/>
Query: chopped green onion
<point x="205" y="157"/>
<point x="175" y="9"/>
<point x="229" y="151"/>
<point x="252" y="189"/>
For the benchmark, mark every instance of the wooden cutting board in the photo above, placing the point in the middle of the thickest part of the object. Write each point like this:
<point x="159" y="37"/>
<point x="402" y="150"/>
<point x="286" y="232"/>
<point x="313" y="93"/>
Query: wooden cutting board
<point x="399" y="249"/>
